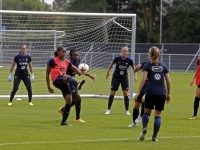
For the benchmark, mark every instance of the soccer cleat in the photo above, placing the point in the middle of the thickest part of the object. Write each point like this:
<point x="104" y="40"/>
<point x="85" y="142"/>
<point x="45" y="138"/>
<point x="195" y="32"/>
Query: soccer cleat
<point x="79" y="120"/>
<point x="80" y="84"/>
<point x="139" y="119"/>
<point x="133" y="125"/>
<point x="30" y="103"/>
<point x="193" y="117"/>
<point x="154" y="139"/>
<point x="107" y="112"/>
<point x="128" y="113"/>
<point x="142" y="134"/>
<point x="65" y="124"/>
<point x="60" y="111"/>
<point x="9" y="104"/>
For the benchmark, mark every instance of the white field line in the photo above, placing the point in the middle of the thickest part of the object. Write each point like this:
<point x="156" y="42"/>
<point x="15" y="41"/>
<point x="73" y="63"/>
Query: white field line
<point x="97" y="140"/>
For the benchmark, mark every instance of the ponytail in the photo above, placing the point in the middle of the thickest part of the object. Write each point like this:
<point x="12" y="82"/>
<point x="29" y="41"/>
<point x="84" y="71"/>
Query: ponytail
<point x="154" y="55"/>
<point x="57" y="50"/>
<point x="55" y="53"/>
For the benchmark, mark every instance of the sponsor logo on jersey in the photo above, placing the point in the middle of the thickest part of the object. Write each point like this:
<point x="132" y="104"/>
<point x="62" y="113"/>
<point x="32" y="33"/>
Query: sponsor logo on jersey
<point x="157" y="76"/>
<point x="121" y="72"/>
<point x="157" y="68"/>
<point x="122" y="67"/>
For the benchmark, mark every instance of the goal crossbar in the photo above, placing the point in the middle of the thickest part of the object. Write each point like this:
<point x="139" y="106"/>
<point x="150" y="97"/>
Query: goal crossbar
<point x="67" y="13"/>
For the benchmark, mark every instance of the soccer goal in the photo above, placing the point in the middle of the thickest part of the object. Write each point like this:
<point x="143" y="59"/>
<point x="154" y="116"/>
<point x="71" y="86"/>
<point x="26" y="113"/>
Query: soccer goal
<point x="98" y="37"/>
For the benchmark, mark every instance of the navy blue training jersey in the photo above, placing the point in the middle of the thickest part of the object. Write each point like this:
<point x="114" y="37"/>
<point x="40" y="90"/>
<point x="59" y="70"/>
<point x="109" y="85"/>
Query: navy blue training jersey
<point x="122" y="66"/>
<point x="71" y="72"/>
<point x="156" y="78"/>
<point x="143" y="63"/>
<point x="22" y="63"/>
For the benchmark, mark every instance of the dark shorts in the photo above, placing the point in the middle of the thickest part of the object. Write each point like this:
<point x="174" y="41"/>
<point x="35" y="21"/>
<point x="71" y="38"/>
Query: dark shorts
<point x="65" y="88"/>
<point x="142" y="92"/>
<point x="116" y="82"/>
<point x="198" y="86"/>
<point x="73" y="89"/>
<point x="155" y="101"/>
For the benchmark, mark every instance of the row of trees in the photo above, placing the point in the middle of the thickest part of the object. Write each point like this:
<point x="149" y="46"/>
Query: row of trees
<point x="180" y="23"/>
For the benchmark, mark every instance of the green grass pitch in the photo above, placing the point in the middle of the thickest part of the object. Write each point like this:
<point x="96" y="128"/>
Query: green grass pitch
<point x="37" y="127"/>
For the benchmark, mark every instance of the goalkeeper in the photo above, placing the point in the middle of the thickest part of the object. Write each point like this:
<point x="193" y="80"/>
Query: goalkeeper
<point x="21" y="73"/>
<point x="76" y="99"/>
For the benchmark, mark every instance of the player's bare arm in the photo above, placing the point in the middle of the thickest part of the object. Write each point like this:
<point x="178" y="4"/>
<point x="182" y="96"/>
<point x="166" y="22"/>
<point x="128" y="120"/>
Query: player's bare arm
<point x="138" y="68"/>
<point x="91" y="76"/>
<point x="167" y="80"/>
<point x="48" y="70"/>
<point x="135" y="74"/>
<point x="74" y="68"/>
<point x="109" y="68"/>
<point x="142" y="82"/>
<point x="12" y="66"/>
<point x="30" y="67"/>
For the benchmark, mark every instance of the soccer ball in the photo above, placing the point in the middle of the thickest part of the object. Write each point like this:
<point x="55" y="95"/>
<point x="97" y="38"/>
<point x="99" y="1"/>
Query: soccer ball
<point x="84" y="68"/>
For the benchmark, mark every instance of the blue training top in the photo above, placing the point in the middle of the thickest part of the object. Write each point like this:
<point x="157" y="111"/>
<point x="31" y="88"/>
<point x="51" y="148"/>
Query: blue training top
<point x="156" y="78"/>
<point x="142" y="65"/>
<point x="70" y="71"/>
<point x="22" y="63"/>
<point x="122" y="66"/>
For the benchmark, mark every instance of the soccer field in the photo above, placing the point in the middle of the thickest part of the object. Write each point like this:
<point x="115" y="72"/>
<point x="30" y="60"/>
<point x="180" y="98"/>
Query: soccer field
<point x="37" y="127"/>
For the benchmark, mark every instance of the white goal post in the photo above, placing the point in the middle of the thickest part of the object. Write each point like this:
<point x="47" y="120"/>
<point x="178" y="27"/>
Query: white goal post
<point x="98" y="38"/>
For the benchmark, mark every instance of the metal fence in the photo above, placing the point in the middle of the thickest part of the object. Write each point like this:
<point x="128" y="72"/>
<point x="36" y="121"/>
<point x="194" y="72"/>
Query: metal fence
<point x="179" y="57"/>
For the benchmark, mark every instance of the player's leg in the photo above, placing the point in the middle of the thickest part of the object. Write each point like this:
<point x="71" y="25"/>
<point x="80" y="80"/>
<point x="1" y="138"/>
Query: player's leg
<point x="124" y="85"/>
<point x="77" y="101"/>
<point x="159" y="106"/>
<point x="68" y="101"/>
<point x="27" y="83"/>
<point x="76" y="97"/>
<point x="135" y="114"/>
<point x="68" y="79"/>
<point x="196" y="103"/>
<point x="16" y="83"/>
<point x="67" y="94"/>
<point x="139" y="99"/>
<point x="149" y="105"/>
<point x="114" y="87"/>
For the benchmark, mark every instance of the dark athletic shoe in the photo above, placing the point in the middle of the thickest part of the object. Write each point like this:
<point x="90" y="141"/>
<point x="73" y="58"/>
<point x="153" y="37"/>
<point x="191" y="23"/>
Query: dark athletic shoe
<point x="80" y="84"/>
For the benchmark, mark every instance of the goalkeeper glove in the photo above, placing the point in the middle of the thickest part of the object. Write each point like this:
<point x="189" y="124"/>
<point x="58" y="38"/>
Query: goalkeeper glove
<point x="32" y="77"/>
<point x="10" y="77"/>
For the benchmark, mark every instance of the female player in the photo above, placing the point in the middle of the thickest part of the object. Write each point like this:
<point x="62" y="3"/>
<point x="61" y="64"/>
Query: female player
<point x="21" y="73"/>
<point x="156" y="94"/>
<point x="138" y="101"/>
<point x="58" y="66"/>
<point x="120" y="76"/>
<point x="197" y="96"/>
<point x="76" y="99"/>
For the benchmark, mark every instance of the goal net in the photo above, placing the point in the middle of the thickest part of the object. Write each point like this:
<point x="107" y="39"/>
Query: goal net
<point x="98" y="38"/>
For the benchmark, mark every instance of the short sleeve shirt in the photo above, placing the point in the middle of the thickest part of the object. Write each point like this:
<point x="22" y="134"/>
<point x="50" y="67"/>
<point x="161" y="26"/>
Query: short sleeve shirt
<point x="122" y="66"/>
<point x="22" y="64"/>
<point x="156" y="78"/>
